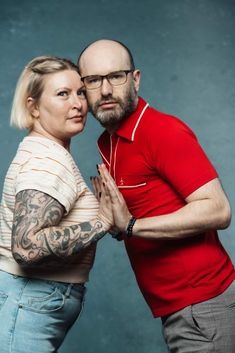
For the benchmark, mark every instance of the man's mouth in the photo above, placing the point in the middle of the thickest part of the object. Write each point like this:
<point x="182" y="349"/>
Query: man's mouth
<point x="108" y="104"/>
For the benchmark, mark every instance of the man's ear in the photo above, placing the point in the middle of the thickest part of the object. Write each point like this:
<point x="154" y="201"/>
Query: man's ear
<point x="136" y="77"/>
<point x="32" y="107"/>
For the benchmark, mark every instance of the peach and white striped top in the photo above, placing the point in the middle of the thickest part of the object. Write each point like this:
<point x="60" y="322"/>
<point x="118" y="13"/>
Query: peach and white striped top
<point x="44" y="165"/>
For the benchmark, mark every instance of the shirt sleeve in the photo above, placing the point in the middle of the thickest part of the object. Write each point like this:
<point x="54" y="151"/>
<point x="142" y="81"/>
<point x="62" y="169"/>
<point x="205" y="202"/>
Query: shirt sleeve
<point x="179" y="158"/>
<point x="51" y="174"/>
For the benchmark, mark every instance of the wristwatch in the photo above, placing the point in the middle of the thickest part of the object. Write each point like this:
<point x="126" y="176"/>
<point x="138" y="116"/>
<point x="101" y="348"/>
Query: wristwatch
<point x="130" y="226"/>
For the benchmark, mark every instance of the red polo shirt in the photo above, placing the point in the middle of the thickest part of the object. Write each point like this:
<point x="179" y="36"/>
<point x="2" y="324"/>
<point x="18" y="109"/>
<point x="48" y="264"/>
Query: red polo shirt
<point x="157" y="162"/>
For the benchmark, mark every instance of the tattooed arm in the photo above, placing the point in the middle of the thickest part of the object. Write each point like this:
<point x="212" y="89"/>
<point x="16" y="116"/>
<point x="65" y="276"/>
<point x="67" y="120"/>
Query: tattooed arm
<point x="36" y="235"/>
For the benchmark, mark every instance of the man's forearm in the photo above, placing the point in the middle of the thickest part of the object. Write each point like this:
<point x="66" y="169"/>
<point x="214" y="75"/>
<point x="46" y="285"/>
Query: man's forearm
<point x="192" y="219"/>
<point x="206" y="208"/>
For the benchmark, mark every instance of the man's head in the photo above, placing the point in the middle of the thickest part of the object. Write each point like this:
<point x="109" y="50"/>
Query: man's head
<point x="111" y="81"/>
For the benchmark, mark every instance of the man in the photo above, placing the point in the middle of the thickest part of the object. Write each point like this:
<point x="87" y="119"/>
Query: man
<point x="176" y="202"/>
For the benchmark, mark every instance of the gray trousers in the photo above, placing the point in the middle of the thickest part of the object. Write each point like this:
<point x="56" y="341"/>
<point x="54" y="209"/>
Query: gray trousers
<point x="207" y="327"/>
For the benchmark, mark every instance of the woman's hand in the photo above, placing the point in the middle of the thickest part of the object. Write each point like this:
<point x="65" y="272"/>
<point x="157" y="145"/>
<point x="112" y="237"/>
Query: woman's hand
<point x="113" y="196"/>
<point x="105" y="214"/>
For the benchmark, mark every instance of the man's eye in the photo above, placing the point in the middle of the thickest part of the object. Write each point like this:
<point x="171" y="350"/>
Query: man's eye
<point x="62" y="93"/>
<point x="93" y="79"/>
<point x="116" y="76"/>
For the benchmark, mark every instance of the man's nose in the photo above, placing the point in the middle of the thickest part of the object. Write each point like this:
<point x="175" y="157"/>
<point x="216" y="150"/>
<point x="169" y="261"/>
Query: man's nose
<point x="106" y="87"/>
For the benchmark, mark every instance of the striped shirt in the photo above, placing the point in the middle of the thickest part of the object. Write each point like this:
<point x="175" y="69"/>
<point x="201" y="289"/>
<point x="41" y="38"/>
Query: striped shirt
<point x="44" y="165"/>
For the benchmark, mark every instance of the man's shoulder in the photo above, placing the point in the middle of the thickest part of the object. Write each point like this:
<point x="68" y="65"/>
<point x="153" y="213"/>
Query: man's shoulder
<point x="155" y="120"/>
<point x="152" y="121"/>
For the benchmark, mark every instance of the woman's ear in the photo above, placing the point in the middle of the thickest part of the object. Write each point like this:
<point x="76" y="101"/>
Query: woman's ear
<point x="32" y="107"/>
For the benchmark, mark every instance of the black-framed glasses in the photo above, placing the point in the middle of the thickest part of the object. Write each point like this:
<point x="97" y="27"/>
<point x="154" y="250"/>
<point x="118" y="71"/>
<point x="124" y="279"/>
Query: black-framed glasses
<point x="115" y="78"/>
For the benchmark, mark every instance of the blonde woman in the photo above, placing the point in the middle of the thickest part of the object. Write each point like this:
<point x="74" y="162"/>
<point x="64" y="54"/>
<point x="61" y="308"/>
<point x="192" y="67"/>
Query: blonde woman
<point x="49" y="221"/>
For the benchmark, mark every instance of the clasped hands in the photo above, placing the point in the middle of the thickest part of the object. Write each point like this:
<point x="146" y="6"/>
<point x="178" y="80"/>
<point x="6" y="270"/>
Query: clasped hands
<point x="112" y="206"/>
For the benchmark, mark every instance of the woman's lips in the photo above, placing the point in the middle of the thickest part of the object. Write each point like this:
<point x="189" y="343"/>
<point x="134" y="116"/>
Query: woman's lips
<point x="77" y="118"/>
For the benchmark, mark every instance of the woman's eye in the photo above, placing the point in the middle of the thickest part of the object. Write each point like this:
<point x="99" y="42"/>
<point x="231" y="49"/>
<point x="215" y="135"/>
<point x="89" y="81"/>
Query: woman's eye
<point x="62" y="93"/>
<point x="82" y="93"/>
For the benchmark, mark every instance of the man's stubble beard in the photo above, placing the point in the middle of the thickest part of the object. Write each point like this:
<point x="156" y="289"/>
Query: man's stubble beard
<point x="112" y="118"/>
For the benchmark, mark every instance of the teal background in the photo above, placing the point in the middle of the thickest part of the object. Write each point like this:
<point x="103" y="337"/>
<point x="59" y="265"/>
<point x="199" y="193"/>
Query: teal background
<point x="185" y="50"/>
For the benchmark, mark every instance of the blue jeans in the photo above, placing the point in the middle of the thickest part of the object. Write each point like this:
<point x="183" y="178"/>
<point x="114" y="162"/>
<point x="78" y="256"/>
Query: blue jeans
<point x="35" y="314"/>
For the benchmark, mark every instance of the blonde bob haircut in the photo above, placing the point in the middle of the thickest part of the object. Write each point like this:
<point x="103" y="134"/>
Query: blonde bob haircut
<point x="30" y="84"/>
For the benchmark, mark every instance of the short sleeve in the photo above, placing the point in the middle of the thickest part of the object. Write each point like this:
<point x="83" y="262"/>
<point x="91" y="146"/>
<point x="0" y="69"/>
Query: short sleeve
<point x="50" y="173"/>
<point x="179" y="158"/>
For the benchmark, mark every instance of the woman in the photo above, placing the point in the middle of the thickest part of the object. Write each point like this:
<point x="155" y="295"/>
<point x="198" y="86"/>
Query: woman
<point x="49" y="220"/>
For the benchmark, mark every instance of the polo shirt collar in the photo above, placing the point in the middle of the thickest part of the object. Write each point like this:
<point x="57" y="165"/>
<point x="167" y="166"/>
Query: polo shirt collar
<point x="130" y="125"/>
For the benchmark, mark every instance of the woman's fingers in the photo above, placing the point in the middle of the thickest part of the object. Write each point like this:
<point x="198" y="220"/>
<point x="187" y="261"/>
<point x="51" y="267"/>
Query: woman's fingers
<point x="96" y="184"/>
<point x="114" y="198"/>
<point x="110" y="184"/>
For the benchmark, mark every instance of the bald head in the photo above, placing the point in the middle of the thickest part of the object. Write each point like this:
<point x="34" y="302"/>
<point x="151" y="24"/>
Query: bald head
<point x="104" y="64"/>
<point x="104" y="56"/>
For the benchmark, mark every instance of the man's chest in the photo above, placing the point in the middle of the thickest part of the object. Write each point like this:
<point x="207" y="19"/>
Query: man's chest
<point x="126" y="162"/>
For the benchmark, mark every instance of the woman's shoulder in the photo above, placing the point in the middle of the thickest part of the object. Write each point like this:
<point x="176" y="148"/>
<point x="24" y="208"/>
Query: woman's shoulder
<point x="42" y="145"/>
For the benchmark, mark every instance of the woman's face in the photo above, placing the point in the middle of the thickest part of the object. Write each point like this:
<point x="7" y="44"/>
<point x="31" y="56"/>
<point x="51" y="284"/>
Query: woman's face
<point x="61" y="110"/>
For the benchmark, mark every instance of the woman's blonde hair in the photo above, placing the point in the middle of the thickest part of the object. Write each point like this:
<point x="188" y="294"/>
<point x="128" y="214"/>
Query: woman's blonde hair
<point x="30" y="84"/>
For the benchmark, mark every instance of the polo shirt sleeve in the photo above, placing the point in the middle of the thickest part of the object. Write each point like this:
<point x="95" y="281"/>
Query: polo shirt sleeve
<point x="179" y="158"/>
<point x="50" y="173"/>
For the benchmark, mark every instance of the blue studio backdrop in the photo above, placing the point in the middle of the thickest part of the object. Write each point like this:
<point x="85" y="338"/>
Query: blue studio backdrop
<point x="185" y="50"/>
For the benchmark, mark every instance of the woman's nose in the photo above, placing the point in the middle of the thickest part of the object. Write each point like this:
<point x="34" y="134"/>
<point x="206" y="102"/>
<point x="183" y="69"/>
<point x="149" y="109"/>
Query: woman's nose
<point x="77" y="102"/>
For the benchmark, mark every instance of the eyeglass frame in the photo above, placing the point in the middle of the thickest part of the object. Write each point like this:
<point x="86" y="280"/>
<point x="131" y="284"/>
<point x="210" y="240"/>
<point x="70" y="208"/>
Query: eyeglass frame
<point x="106" y="76"/>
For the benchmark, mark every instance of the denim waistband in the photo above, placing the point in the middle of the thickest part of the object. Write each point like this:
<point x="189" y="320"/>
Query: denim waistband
<point x="76" y="289"/>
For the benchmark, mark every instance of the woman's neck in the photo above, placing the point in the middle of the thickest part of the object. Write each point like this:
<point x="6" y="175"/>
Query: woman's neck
<point x="42" y="133"/>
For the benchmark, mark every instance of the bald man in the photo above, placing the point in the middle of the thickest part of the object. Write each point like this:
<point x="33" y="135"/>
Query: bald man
<point x="176" y="203"/>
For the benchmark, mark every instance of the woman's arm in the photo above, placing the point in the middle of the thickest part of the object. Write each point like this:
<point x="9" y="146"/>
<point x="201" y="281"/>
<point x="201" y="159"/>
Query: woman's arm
<point x="36" y="234"/>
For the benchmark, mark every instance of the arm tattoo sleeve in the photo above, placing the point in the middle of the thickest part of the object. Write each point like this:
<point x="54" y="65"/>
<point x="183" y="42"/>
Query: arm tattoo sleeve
<point x="37" y="236"/>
